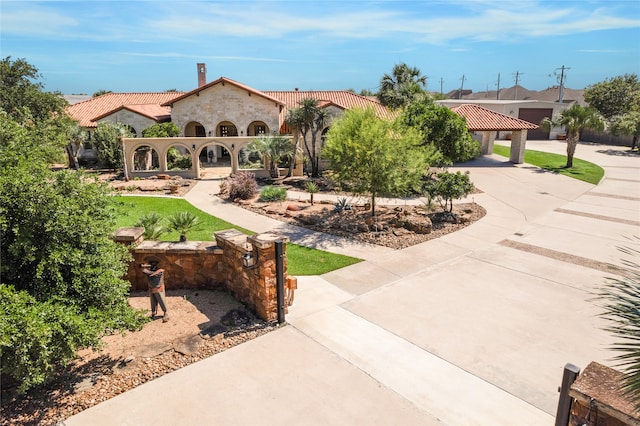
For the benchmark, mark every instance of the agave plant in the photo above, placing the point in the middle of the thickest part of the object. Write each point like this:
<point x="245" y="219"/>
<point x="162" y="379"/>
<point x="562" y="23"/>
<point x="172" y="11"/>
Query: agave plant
<point x="183" y="222"/>
<point x="620" y="299"/>
<point x="153" y="226"/>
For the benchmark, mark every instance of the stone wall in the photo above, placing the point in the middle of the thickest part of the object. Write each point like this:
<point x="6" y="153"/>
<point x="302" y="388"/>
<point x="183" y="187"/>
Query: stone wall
<point x="136" y="121"/>
<point x="243" y="265"/>
<point x="598" y="399"/>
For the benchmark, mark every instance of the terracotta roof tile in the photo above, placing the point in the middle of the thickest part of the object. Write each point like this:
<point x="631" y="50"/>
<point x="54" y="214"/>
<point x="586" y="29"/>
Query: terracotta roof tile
<point x="479" y="118"/>
<point x="86" y="112"/>
<point x="152" y="111"/>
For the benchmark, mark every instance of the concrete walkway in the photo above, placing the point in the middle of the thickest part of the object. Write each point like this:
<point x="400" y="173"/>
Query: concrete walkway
<point x="472" y="328"/>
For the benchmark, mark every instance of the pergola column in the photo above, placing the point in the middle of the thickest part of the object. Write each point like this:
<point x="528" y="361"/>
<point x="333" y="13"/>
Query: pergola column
<point x="518" y="142"/>
<point x="488" y="138"/>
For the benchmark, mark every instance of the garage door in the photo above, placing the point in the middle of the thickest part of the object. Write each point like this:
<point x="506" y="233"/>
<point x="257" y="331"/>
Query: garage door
<point x="535" y="116"/>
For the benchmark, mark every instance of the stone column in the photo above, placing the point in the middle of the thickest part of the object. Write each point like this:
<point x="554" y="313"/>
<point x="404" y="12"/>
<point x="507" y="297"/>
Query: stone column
<point x="518" y="143"/>
<point x="488" y="137"/>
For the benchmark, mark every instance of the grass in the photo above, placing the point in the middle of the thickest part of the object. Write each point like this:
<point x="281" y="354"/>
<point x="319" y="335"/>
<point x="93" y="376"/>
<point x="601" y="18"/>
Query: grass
<point x="581" y="170"/>
<point x="300" y="260"/>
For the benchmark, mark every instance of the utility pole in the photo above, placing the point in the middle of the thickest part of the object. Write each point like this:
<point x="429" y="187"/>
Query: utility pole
<point x="498" y="92"/>
<point x="517" y="76"/>
<point x="441" y="83"/>
<point x="561" y="78"/>
<point x="461" y="86"/>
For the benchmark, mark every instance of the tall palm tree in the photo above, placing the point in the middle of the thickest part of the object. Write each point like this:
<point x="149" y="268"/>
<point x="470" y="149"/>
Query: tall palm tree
<point x="272" y="149"/>
<point x="313" y="120"/>
<point x="295" y="121"/>
<point x="401" y="86"/>
<point x="575" y="120"/>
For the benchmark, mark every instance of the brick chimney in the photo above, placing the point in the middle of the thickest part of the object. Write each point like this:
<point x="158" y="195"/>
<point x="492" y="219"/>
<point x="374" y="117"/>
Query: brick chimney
<point x="202" y="75"/>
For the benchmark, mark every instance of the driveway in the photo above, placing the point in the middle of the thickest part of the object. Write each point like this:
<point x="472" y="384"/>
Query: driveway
<point x="471" y="328"/>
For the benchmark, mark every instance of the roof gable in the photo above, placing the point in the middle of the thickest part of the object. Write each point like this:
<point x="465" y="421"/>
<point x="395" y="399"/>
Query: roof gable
<point x="479" y="118"/>
<point x="85" y="112"/>
<point x="223" y="81"/>
<point x="152" y="111"/>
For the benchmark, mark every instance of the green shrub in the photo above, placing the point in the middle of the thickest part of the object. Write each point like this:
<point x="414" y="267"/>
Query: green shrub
<point x="184" y="222"/>
<point x="241" y="186"/>
<point x="273" y="193"/>
<point x="447" y="186"/>
<point x="341" y="205"/>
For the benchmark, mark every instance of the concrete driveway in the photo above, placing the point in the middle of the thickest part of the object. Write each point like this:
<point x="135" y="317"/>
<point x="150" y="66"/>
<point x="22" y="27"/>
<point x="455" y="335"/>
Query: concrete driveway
<point x="471" y="328"/>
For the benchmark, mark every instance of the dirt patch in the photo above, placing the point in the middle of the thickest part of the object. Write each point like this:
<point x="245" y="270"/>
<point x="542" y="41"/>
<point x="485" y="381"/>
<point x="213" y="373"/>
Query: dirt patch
<point x="201" y="323"/>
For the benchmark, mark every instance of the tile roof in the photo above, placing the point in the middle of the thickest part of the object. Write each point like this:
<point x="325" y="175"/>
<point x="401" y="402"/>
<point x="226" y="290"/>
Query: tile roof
<point x="223" y="81"/>
<point x="339" y="98"/>
<point x="152" y="111"/>
<point x="85" y="112"/>
<point x="479" y="118"/>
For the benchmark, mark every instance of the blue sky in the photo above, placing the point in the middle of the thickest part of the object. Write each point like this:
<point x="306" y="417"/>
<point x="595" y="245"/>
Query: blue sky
<point x="125" y="46"/>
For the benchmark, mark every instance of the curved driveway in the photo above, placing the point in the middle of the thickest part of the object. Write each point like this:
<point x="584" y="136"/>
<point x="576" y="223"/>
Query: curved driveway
<point x="472" y="328"/>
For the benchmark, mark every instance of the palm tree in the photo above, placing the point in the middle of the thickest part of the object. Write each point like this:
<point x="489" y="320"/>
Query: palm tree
<point x="402" y="86"/>
<point x="313" y="119"/>
<point x="272" y="149"/>
<point x="183" y="222"/>
<point x="628" y="124"/>
<point x="575" y="120"/>
<point x="295" y="121"/>
<point x="620" y="299"/>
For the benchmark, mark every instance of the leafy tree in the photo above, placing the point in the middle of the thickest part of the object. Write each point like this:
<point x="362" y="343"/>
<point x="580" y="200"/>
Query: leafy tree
<point x="447" y="186"/>
<point x="402" y="86"/>
<point x="161" y="130"/>
<point x="575" y="120"/>
<point x="108" y="145"/>
<point x="628" y="124"/>
<point x="442" y="128"/>
<point x="272" y="149"/>
<point x="176" y="160"/>
<point x="375" y="156"/>
<point x="620" y="298"/>
<point x="22" y="96"/>
<point x="614" y="97"/>
<point x="367" y="92"/>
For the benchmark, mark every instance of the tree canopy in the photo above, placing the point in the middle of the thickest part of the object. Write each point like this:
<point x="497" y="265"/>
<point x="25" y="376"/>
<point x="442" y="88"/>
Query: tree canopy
<point x="375" y="156"/>
<point x="402" y="86"/>
<point x="62" y="286"/>
<point x="614" y="97"/>
<point x="442" y="128"/>
<point x="161" y="130"/>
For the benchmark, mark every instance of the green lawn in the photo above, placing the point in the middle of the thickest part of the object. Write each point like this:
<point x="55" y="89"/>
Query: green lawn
<point x="301" y="260"/>
<point x="582" y="170"/>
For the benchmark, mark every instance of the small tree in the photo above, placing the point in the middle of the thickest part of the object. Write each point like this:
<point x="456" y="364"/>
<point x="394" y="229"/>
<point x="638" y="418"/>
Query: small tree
<point x="575" y="120"/>
<point x="402" y="86"/>
<point x="312" y="188"/>
<point x="628" y="124"/>
<point x="447" y="187"/>
<point x="374" y="156"/>
<point x="272" y="149"/>
<point x="312" y="120"/>
<point x="108" y="145"/>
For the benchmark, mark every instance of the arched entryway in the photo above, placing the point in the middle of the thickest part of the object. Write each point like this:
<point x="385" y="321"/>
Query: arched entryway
<point x="226" y="129"/>
<point x="145" y="158"/>
<point x="194" y="129"/>
<point x="215" y="161"/>
<point x="257" y="128"/>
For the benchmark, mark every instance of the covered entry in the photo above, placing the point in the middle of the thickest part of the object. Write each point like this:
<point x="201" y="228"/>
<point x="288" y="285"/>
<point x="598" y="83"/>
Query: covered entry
<point x="489" y="122"/>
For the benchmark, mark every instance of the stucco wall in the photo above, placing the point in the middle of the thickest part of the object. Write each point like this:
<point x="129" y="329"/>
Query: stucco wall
<point x="225" y="103"/>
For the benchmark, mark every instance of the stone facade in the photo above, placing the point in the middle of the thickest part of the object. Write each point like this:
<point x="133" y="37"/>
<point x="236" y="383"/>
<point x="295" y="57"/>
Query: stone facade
<point x="136" y="121"/>
<point x="221" y="103"/>
<point x="210" y="265"/>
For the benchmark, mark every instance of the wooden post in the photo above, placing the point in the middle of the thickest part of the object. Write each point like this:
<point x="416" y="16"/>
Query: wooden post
<point x="564" y="402"/>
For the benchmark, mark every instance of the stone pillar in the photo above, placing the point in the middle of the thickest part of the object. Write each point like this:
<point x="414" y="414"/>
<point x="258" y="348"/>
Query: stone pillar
<point x="518" y="143"/>
<point x="129" y="236"/>
<point x="488" y="137"/>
